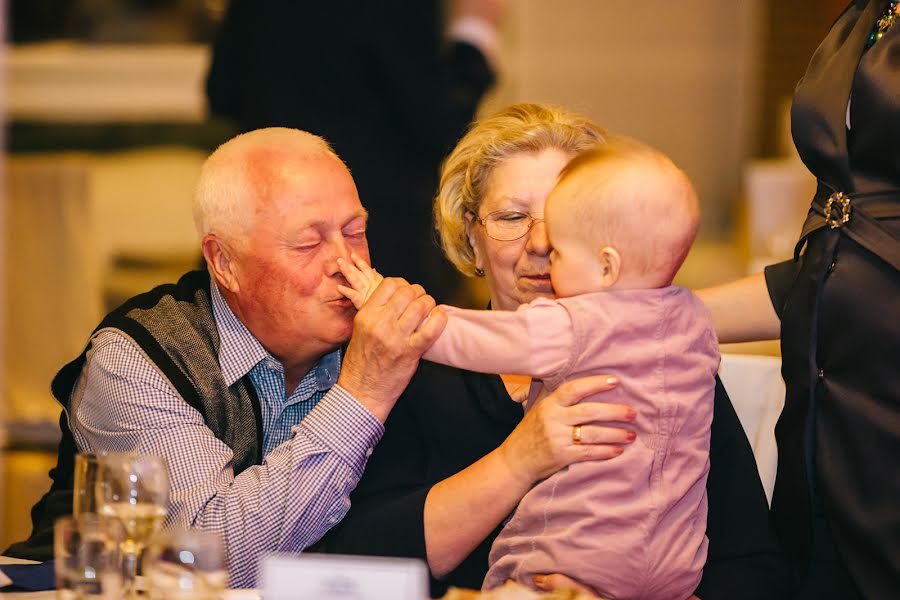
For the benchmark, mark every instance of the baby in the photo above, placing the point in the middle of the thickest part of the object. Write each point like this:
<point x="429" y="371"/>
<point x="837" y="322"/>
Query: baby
<point x="621" y="220"/>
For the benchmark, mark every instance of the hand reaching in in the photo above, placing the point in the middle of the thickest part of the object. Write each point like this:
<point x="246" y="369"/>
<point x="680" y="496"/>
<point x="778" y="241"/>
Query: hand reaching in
<point x="362" y="278"/>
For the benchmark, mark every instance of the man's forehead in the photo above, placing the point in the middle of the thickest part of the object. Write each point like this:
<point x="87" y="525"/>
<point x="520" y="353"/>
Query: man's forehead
<point x="272" y="162"/>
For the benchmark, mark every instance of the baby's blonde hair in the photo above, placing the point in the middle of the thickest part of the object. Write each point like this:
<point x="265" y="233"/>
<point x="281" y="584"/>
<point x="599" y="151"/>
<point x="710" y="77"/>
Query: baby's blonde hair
<point x="517" y="129"/>
<point x="632" y="197"/>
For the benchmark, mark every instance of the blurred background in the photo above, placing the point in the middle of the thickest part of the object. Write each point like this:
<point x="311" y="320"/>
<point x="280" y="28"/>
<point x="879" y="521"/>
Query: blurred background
<point x="106" y="125"/>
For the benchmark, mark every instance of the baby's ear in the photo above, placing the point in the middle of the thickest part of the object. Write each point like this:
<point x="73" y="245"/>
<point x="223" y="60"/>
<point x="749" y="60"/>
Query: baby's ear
<point x="610" y="266"/>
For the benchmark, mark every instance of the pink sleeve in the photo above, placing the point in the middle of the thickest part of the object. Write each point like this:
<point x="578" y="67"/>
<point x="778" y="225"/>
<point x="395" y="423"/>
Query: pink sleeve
<point x="535" y="340"/>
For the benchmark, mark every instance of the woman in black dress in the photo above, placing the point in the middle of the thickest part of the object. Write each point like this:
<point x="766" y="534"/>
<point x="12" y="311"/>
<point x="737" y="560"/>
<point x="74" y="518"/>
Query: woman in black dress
<point x="836" y="504"/>
<point x="423" y="492"/>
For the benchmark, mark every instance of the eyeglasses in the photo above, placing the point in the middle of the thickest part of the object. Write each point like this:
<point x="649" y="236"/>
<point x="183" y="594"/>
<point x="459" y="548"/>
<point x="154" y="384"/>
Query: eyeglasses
<point x="507" y="225"/>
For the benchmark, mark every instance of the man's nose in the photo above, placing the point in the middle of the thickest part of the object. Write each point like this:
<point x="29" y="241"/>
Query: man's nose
<point x="538" y="243"/>
<point x="338" y="248"/>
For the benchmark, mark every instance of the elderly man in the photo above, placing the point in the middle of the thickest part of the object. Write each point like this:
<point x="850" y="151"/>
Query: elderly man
<point x="238" y="377"/>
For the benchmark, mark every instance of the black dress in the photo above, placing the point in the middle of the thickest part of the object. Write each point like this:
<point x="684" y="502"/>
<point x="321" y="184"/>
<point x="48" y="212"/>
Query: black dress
<point x="447" y="419"/>
<point x="836" y="504"/>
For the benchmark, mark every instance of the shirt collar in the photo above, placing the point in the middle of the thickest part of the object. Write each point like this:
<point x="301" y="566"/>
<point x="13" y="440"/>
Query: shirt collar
<point x="240" y="351"/>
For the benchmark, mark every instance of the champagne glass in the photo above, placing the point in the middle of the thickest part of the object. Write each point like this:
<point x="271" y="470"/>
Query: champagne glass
<point x="134" y="489"/>
<point x="85" y="484"/>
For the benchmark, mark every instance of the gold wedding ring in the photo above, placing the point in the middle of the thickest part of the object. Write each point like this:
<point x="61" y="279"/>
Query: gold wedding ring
<point x="576" y="434"/>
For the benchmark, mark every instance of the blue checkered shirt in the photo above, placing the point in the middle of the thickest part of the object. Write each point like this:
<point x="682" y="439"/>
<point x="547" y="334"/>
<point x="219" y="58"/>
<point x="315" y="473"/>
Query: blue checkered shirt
<point x="316" y="442"/>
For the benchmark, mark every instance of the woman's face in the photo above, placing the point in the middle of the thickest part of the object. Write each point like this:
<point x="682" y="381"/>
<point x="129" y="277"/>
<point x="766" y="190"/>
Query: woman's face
<point x="518" y="271"/>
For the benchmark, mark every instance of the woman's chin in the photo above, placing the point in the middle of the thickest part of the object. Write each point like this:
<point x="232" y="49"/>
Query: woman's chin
<point x="536" y="287"/>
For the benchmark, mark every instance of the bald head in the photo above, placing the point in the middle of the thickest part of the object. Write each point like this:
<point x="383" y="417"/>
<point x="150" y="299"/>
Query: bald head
<point x="632" y="197"/>
<point x="241" y="173"/>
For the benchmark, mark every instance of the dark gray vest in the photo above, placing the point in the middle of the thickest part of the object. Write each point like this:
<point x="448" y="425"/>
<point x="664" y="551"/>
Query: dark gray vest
<point x="173" y="325"/>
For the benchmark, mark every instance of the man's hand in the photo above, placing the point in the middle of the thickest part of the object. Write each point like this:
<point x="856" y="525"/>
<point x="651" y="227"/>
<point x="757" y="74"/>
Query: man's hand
<point x="363" y="280"/>
<point x="390" y="333"/>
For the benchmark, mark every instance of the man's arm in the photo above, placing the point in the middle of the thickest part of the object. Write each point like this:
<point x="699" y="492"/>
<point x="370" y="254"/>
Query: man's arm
<point x="285" y="505"/>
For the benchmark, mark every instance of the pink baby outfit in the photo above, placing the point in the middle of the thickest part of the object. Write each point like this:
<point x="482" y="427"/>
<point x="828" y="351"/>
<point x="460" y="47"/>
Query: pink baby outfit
<point x="634" y="526"/>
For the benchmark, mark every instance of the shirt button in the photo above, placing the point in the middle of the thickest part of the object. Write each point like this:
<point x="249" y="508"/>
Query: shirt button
<point x="368" y="453"/>
<point x="821" y="373"/>
<point x="830" y="267"/>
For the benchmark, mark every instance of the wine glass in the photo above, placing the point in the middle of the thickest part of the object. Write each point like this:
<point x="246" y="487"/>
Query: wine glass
<point x="134" y="489"/>
<point x="185" y="564"/>
<point x="85" y="484"/>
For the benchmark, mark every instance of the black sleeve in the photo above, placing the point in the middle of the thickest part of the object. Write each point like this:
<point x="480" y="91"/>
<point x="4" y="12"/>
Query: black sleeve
<point x="434" y="87"/>
<point x="387" y="506"/>
<point x="745" y="560"/>
<point x="779" y="279"/>
<point x="233" y="52"/>
<point x="56" y="503"/>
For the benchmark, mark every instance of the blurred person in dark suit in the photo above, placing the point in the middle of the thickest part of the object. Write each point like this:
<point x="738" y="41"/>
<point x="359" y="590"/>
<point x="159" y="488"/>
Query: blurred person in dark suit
<point x="386" y="82"/>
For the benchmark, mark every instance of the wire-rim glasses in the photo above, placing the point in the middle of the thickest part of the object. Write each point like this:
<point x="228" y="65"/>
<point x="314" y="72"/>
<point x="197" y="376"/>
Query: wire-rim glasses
<point x="507" y="225"/>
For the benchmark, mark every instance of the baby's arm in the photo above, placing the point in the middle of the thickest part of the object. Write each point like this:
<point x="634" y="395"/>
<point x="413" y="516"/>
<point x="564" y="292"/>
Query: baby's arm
<point x="535" y="340"/>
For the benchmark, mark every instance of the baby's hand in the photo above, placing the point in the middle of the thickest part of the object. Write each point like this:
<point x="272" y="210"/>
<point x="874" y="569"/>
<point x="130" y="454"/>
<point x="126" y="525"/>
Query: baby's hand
<point x="362" y="278"/>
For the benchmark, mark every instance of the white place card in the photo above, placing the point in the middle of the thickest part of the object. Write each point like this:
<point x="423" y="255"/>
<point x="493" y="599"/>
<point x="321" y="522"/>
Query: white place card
<point x="337" y="577"/>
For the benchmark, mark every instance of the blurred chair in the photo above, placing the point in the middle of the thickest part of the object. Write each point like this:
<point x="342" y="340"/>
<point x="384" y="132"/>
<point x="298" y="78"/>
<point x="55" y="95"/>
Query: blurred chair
<point x="144" y="223"/>
<point x="756" y="389"/>
<point x="778" y="193"/>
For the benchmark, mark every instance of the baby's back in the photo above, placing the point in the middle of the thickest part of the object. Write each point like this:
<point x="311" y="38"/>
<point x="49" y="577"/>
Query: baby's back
<point x="633" y="526"/>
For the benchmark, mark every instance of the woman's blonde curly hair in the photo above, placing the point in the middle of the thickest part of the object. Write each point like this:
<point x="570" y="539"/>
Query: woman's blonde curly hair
<point x="520" y="128"/>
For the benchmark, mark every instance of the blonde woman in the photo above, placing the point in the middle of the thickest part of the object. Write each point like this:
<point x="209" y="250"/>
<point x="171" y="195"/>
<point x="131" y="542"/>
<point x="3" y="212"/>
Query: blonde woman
<point x="459" y="453"/>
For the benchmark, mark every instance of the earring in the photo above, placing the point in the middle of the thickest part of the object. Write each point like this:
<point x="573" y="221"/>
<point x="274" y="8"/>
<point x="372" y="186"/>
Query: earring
<point x="479" y="272"/>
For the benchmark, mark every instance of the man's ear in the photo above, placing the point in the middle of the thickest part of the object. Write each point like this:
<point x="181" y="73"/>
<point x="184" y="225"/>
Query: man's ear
<point x="219" y="260"/>
<point x="470" y="234"/>
<point x="610" y="266"/>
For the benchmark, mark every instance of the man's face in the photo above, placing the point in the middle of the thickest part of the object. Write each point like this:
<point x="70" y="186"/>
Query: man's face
<point x="287" y="272"/>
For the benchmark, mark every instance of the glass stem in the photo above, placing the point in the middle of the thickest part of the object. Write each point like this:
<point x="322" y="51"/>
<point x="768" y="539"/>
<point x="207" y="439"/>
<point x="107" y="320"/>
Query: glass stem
<point x="130" y="571"/>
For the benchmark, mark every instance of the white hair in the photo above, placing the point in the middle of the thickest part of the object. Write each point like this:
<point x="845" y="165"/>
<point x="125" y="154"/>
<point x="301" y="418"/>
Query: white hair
<point x="241" y="170"/>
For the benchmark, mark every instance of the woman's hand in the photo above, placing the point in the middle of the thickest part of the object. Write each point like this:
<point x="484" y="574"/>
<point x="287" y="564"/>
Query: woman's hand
<point x="559" y="431"/>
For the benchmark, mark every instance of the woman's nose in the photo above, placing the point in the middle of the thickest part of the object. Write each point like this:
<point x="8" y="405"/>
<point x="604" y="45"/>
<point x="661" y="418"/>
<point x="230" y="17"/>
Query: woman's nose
<point x="538" y="243"/>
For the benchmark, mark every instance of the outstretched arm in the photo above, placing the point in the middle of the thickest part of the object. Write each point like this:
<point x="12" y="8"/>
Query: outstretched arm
<point x="742" y="311"/>
<point x="535" y="341"/>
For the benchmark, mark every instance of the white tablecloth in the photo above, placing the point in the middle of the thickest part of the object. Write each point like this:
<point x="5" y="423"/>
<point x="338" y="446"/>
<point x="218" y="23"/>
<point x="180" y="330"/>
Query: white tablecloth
<point x="51" y="595"/>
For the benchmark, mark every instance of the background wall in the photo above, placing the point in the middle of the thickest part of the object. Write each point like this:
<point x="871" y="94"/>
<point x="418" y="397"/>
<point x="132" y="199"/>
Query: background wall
<point x="683" y="77"/>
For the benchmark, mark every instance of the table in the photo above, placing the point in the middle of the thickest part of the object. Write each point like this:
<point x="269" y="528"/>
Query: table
<point x="51" y="595"/>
